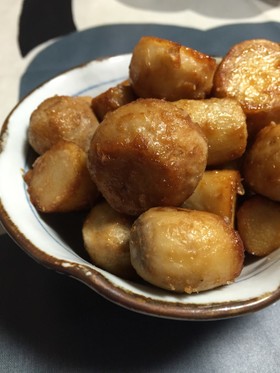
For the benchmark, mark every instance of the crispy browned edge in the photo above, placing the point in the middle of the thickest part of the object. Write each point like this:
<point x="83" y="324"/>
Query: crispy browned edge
<point x="120" y="296"/>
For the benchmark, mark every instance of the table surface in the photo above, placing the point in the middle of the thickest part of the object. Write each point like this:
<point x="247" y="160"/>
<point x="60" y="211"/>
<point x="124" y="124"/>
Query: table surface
<point x="53" y="323"/>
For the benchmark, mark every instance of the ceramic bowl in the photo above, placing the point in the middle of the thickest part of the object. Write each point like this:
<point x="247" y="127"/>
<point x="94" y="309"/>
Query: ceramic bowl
<point x="50" y="239"/>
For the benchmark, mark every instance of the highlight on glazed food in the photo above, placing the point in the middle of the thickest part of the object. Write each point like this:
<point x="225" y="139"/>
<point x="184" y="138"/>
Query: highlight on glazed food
<point x="176" y="169"/>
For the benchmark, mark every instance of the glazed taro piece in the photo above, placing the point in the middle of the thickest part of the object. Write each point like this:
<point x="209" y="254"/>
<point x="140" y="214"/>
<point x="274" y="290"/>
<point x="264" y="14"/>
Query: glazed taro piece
<point x="147" y="153"/>
<point x="258" y="222"/>
<point x="106" y="235"/>
<point x="112" y="99"/>
<point x="161" y="68"/>
<point x="62" y="118"/>
<point x="261" y="167"/>
<point x="223" y="123"/>
<point x="59" y="180"/>
<point x="185" y="250"/>
<point x="217" y="192"/>
<point x="250" y="73"/>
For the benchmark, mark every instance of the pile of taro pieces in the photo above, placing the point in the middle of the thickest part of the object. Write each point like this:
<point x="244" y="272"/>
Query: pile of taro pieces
<point x="177" y="168"/>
